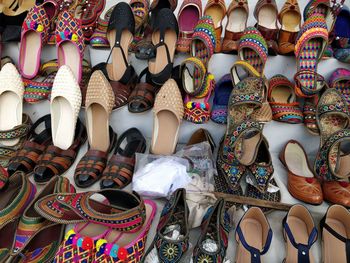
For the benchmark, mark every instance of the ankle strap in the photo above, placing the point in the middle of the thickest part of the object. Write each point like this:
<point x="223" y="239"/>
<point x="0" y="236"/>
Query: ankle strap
<point x="254" y="252"/>
<point x="303" y="249"/>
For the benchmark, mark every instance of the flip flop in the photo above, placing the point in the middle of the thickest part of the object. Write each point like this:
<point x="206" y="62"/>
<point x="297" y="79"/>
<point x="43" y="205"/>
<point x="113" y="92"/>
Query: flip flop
<point x="223" y="91"/>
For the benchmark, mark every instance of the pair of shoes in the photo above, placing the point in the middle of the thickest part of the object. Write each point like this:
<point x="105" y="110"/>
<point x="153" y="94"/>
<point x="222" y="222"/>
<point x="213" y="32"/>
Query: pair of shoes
<point x="35" y="33"/>
<point x="15" y="125"/>
<point x="112" y="230"/>
<point x="170" y="247"/>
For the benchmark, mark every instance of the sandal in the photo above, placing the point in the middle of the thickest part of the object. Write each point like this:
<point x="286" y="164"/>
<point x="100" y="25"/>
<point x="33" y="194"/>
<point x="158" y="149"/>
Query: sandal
<point x="300" y="234"/>
<point x="340" y="80"/>
<point x="174" y="218"/>
<point x="101" y="137"/>
<point x="309" y="111"/>
<point x="341" y="42"/>
<point x="35" y="33"/>
<point x="37" y="239"/>
<point x="282" y="99"/>
<point x="237" y="17"/>
<point x="266" y="15"/>
<point x="313" y="37"/>
<point x="332" y="158"/>
<point x="223" y="91"/>
<point x="120" y="168"/>
<point x="99" y="37"/>
<point x="168" y="114"/>
<point x="26" y="158"/>
<point x="215" y="227"/>
<point x="302" y="182"/>
<point x="56" y="161"/>
<point x="188" y="17"/>
<point x="290" y="20"/>
<point x="14" y="200"/>
<point x="140" y="8"/>
<point x="335" y="236"/>
<point x="216" y="9"/>
<point x="253" y="235"/>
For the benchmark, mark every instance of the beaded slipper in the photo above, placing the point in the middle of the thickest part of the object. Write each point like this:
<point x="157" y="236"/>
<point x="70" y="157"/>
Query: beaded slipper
<point x="283" y="102"/>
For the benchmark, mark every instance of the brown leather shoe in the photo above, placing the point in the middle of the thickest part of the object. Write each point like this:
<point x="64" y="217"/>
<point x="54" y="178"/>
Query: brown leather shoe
<point x="201" y="135"/>
<point x="266" y="14"/>
<point x="337" y="192"/>
<point x="290" y="19"/>
<point x="302" y="183"/>
<point x="237" y="16"/>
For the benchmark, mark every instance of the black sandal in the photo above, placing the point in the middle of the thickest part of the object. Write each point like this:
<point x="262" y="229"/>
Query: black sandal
<point x="120" y="168"/>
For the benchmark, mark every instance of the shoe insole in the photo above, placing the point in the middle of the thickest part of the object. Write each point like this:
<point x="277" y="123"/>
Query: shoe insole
<point x="291" y="21"/>
<point x="333" y="249"/>
<point x="253" y="234"/>
<point x="296" y="161"/>
<point x="216" y="14"/>
<point x="267" y="17"/>
<point x="191" y="82"/>
<point x="69" y="54"/>
<point x="117" y="68"/>
<point x="91" y="230"/>
<point x="125" y="240"/>
<point x="308" y="61"/>
<point x="281" y="94"/>
<point x="200" y="51"/>
<point x="157" y="64"/>
<point x="253" y="59"/>
<point x="98" y="128"/>
<point x="10" y="114"/>
<point x="166" y="131"/>
<point x="188" y="18"/>
<point x="246" y="149"/>
<point x="30" y="54"/>
<point x="63" y="123"/>
<point x="237" y="20"/>
<point x="300" y="234"/>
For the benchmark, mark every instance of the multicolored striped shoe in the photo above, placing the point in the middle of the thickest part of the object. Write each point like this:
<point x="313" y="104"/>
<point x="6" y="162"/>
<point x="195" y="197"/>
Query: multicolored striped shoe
<point x="33" y="229"/>
<point x="14" y="199"/>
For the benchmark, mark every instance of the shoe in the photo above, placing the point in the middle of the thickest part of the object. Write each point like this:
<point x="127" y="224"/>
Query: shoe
<point x="340" y="80"/>
<point x="266" y="15"/>
<point x="334" y="226"/>
<point x="189" y="14"/>
<point x="201" y="135"/>
<point x="35" y="34"/>
<point x="283" y="101"/>
<point x="70" y="43"/>
<point x="99" y="37"/>
<point x="290" y="20"/>
<point x="37" y="239"/>
<point x="173" y="221"/>
<point x="216" y="9"/>
<point x="14" y="199"/>
<point x="300" y="234"/>
<point x="253" y="235"/>
<point x="237" y="17"/>
<point x="140" y="9"/>
<point x="302" y="183"/>
<point x="16" y="7"/>
<point x="27" y="156"/>
<point x="168" y="113"/>
<point x="215" y="228"/>
<point x="99" y="104"/>
<point x="340" y="42"/>
<point x="120" y="168"/>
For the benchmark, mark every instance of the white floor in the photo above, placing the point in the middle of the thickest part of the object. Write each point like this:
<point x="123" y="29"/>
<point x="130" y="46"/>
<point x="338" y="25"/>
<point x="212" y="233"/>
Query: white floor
<point x="277" y="134"/>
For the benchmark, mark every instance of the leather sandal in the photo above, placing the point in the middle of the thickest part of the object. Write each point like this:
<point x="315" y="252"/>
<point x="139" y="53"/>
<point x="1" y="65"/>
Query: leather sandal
<point x="14" y="200"/>
<point x="313" y="36"/>
<point x="216" y="9"/>
<point x="175" y="212"/>
<point x="335" y="237"/>
<point x="56" y="161"/>
<point x="266" y="15"/>
<point x="253" y="235"/>
<point x="120" y="168"/>
<point x="290" y="20"/>
<point x="26" y="158"/>
<point x="237" y="17"/>
<point x="283" y="102"/>
<point x="300" y="234"/>
<point x="37" y="239"/>
<point x="302" y="182"/>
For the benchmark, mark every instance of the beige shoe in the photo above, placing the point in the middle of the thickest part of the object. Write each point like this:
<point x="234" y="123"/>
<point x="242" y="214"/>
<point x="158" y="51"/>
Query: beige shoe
<point x="335" y="226"/>
<point x="253" y="235"/>
<point x="65" y="106"/>
<point x="11" y="100"/>
<point x="300" y="234"/>
<point x="168" y="113"/>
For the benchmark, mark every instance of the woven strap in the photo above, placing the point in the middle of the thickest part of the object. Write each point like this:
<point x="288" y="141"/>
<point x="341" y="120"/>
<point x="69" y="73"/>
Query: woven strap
<point x="248" y="91"/>
<point x="287" y="112"/>
<point x="247" y="68"/>
<point x="306" y="92"/>
<point x="120" y="169"/>
<point x="92" y="164"/>
<point x="17" y="132"/>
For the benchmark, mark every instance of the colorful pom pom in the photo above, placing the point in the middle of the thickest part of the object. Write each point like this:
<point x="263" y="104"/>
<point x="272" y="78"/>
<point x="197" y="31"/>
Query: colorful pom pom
<point x="189" y="105"/>
<point x="40" y="28"/>
<point x="122" y="253"/>
<point x="69" y="234"/>
<point x="87" y="243"/>
<point x="99" y="243"/>
<point x="114" y="251"/>
<point x="108" y="249"/>
<point x="80" y="242"/>
<point x="74" y="37"/>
